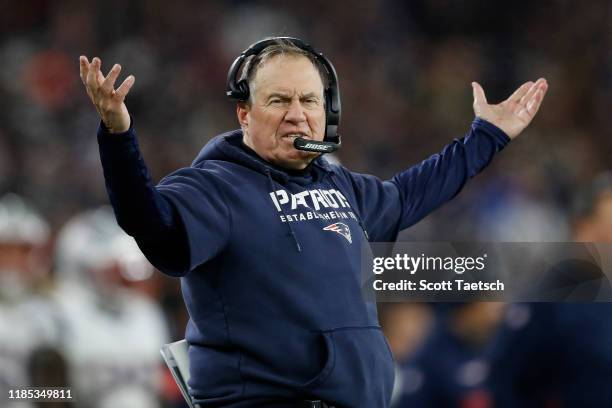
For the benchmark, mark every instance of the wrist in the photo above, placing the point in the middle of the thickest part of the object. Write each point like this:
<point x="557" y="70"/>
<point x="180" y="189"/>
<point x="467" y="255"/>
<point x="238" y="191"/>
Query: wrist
<point x="492" y="129"/>
<point x="115" y="128"/>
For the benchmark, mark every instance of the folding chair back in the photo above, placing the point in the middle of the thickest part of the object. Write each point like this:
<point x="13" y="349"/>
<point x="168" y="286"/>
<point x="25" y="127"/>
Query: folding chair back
<point x="177" y="359"/>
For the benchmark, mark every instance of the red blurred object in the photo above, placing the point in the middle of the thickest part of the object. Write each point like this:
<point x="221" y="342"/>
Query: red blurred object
<point x="49" y="78"/>
<point x="169" y="389"/>
<point x="477" y="399"/>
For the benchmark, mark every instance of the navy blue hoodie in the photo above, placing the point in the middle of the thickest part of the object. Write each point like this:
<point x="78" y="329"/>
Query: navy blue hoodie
<point x="269" y="261"/>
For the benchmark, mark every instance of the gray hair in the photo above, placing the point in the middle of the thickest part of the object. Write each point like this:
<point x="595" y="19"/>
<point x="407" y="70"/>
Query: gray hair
<point x="284" y="47"/>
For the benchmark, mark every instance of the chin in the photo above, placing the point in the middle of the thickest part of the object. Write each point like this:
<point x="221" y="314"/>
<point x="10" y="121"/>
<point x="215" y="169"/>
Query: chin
<point x="294" y="159"/>
<point x="305" y="157"/>
<point x="298" y="161"/>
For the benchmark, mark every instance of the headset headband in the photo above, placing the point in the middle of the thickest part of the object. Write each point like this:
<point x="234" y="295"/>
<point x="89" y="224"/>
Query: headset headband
<point x="239" y="90"/>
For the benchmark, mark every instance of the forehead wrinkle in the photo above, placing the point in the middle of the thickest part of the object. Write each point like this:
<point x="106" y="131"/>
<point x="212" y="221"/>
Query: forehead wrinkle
<point x="258" y="82"/>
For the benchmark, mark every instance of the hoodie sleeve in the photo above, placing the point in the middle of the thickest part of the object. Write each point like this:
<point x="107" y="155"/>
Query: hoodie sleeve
<point x="203" y="210"/>
<point x="390" y="206"/>
<point x="161" y="219"/>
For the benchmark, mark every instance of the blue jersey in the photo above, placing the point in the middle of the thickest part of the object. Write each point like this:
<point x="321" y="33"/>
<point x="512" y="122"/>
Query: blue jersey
<point x="562" y="357"/>
<point x="585" y="331"/>
<point x="512" y="368"/>
<point x="446" y="372"/>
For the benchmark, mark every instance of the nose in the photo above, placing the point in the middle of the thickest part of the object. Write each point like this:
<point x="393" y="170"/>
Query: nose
<point x="295" y="113"/>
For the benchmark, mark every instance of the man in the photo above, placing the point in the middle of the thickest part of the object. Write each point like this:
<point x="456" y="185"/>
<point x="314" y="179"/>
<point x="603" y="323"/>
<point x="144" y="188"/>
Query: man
<point x="451" y="368"/>
<point x="27" y="322"/>
<point x="113" y="332"/>
<point x="406" y="326"/>
<point x="585" y="329"/>
<point x="267" y="238"/>
<point x="542" y="354"/>
<point x="563" y="355"/>
<point x="458" y="363"/>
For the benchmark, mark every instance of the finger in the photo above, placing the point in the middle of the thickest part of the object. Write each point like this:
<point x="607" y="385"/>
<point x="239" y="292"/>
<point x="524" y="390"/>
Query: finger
<point x="100" y="77"/>
<point x="93" y="75"/>
<point x="124" y="88"/>
<point x="109" y="82"/>
<point x="520" y="92"/>
<point x="83" y="68"/>
<point x="532" y="90"/>
<point x="534" y="104"/>
<point x="479" y="95"/>
<point x="542" y="84"/>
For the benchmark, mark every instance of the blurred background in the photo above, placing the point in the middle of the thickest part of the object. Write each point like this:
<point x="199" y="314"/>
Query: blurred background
<point x="76" y="298"/>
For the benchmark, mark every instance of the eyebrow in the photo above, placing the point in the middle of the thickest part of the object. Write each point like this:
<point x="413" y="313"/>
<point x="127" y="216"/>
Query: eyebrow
<point x="285" y="95"/>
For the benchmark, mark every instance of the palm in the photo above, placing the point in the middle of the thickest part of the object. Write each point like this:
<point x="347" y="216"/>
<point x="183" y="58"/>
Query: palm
<point x="109" y="102"/>
<point x="515" y="113"/>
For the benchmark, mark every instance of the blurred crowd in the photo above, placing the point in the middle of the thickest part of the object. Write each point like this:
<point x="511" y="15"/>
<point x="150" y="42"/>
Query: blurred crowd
<point x="77" y="296"/>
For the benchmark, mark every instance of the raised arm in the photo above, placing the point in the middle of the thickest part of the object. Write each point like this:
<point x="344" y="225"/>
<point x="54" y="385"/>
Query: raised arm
<point x="439" y="178"/>
<point x="412" y="194"/>
<point x="140" y="209"/>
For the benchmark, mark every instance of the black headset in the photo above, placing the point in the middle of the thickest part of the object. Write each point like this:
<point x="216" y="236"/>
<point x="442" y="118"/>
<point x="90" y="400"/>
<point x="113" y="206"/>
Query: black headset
<point x="239" y="91"/>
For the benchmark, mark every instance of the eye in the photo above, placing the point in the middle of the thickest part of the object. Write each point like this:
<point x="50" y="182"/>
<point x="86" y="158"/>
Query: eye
<point x="311" y="101"/>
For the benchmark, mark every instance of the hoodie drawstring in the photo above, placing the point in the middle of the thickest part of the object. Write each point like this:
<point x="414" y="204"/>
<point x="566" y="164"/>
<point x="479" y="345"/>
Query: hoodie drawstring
<point x="288" y="223"/>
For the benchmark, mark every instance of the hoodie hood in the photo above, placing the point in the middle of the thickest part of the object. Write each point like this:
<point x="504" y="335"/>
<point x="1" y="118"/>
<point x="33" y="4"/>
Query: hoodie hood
<point x="230" y="147"/>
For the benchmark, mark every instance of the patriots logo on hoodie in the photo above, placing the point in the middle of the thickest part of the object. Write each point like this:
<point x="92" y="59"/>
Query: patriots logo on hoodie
<point x="341" y="229"/>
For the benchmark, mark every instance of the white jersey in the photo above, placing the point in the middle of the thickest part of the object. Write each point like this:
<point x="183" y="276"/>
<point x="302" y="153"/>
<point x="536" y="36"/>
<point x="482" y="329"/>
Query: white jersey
<point x="112" y="349"/>
<point x="25" y="325"/>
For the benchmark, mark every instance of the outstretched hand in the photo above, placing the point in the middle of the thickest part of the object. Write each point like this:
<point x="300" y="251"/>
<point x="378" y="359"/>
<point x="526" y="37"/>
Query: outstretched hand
<point x="515" y="113"/>
<point x="109" y="102"/>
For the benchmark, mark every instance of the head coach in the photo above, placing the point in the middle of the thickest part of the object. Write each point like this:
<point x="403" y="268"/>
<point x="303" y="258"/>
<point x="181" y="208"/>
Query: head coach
<point x="266" y="234"/>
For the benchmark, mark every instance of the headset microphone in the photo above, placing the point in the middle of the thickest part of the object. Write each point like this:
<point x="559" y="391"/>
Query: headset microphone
<point x="315" y="146"/>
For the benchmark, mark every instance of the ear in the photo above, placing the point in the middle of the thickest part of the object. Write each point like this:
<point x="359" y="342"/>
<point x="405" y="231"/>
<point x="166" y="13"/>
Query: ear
<point x="242" y="112"/>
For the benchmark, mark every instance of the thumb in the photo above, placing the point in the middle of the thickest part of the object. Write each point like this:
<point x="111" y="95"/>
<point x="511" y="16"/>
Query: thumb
<point x="479" y="95"/>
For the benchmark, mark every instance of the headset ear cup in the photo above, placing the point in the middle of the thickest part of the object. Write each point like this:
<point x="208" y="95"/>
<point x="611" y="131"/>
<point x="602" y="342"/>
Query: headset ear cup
<point x="327" y="106"/>
<point x="331" y="119"/>
<point x="243" y="88"/>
